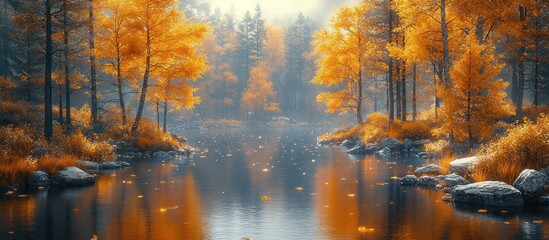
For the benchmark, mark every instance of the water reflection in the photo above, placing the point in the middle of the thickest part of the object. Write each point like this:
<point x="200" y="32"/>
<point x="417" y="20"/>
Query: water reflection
<point x="312" y="193"/>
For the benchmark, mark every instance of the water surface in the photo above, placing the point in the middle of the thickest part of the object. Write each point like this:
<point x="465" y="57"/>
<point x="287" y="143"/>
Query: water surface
<point x="261" y="183"/>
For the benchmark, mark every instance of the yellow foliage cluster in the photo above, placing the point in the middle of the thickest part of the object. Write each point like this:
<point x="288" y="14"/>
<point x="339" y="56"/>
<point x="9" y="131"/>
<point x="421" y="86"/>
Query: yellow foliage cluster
<point x="78" y="145"/>
<point x="16" y="142"/>
<point x="525" y="146"/>
<point x="412" y="130"/>
<point x="150" y="138"/>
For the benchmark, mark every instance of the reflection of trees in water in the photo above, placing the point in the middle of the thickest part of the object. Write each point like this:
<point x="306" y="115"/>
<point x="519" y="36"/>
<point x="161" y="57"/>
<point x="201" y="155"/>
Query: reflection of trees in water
<point x="390" y="210"/>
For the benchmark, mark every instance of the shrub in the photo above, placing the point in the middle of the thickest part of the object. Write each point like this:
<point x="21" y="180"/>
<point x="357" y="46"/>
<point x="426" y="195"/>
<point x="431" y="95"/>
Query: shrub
<point x="16" y="142"/>
<point x="14" y="171"/>
<point x="78" y="145"/>
<point x="150" y="138"/>
<point x="19" y="113"/>
<point x="524" y="146"/>
<point x="412" y="130"/>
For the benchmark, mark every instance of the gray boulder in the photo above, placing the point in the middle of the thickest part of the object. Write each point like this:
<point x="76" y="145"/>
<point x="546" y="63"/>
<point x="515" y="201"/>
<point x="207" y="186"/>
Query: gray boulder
<point x="363" y="149"/>
<point x="452" y="180"/>
<point x="430" y="170"/>
<point x="415" y="150"/>
<point x="73" y="176"/>
<point x="386" y="152"/>
<point x="408" y="144"/>
<point x="427" y="181"/>
<point x="391" y="143"/>
<point x="464" y="166"/>
<point x="348" y="143"/>
<point x="87" y="164"/>
<point x="39" y="179"/>
<point x="531" y="183"/>
<point x="160" y="154"/>
<point x="490" y="193"/>
<point x="408" y="180"/>
<point x="113" y="165"/>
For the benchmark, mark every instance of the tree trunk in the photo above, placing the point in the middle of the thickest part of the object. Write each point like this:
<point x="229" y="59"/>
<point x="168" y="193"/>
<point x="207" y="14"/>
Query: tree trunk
<point x="120" y="92"/>
<point x="48" y="123"/>
<point x="403" y="91"/>
<point x="520" y="70"/>
<point x="66" y="65"/>
<point x="93" y="77"/>
<point x="445" y="47"/>
<point x="398" y="93"/>
<point x="390" y="96"/>
<point x="165" y="123"/>
<point x="157" y="108"/>
<point x="60" y="99"/>
<point x="359" y="99"/>
<point x="414" y="97"/>
<point x="536" y="74"/>
<point x="143" y="95"/>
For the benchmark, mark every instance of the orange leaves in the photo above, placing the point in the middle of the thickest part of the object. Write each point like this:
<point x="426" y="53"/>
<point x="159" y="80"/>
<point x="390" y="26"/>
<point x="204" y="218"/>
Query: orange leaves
<point x="259" y="94"/>
<point x="476" y="99"/>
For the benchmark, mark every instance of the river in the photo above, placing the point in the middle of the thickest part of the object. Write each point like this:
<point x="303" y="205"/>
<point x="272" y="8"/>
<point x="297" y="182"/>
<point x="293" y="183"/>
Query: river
<point x="260" y="183"/>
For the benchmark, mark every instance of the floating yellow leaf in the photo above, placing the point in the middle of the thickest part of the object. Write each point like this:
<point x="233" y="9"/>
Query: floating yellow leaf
<point x="538" y="221"/>
<point x="163" y="209"/>
<point x="265" y="198"/>
<point x="482" y="210"/>
<point x="299" y="189"/>
<point x="363" y="229"/>
<point x="139" y="196"/>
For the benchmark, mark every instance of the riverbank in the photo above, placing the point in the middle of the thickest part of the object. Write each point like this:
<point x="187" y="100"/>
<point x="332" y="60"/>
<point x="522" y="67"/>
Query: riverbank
<point x="510" y="170"/>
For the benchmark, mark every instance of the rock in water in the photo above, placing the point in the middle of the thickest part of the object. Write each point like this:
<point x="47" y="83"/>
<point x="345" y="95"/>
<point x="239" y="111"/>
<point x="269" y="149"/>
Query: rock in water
<point x="391" y="143"/>
<point x="452" y="180"/>
<point x="327" y="141"/>
<point x="87" y="164"/>
<point x="530" y="183"/>
<point x="348" y="143"/>
<point x="39" y="179"/>
<point x="408" y="180"/>
<point x="73" y="176"/>
<point x="490" y="193"/>
<point x="363" y="149"/>
<point x="113" y="165"/>
<point x="429" y="170"/>
<point x="464" y="166"/>
<point x="427" y="181"/>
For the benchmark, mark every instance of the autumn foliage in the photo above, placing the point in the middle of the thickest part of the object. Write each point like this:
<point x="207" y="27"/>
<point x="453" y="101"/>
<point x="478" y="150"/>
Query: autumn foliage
<point x="523" y="147"/>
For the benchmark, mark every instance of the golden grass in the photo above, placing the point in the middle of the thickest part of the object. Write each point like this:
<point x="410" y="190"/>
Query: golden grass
<point x="413" y="130"/>
<point x="14" y="170"/>
<point x="77" y="144"/>
<point x="150" y="138"/>
<point x="525" y="146"/>
<point x="52" y="164"/>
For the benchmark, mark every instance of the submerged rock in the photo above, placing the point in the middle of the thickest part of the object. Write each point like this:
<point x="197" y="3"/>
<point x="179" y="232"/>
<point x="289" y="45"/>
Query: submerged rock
<point x="531" y="184"/>
<point x="408" y="180"/>
<point x="432" y="170"/>
<point x="490" y="193"/>
<point x="464" y="166"/>
<point x="363" y="149"/>
<point x="73" y="176"/>
<point x="39" y="179"/>
<point x="452" y="180"/>
<point x="386" y="152"/>
<point x="427" y="181"/>
<point x="113" y="165"/>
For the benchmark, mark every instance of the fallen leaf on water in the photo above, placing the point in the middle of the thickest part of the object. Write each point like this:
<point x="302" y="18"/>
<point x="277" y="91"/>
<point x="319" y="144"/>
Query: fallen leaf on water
<point x="395" y="178"/>
<point x="139" y="196"/>
<point x="163" y="209"/>
<point x="506" y="223"/>
<point x="350" y="195"/>
<point x="363" y="229"/>
<point x="264" y="198"/>
<point x="482" y="211"/>
<point x="265" y="170"/>
<point x="299" y="189"/>
<point x="538" y="221"/>
<point x="94" y="237"/>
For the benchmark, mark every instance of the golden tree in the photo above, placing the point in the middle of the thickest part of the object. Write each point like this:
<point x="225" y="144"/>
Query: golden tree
<point x="259" y="96"/>
<point x="476" y="100"/>
<point x="170" y="39"/>
<point x="346" y="57"/>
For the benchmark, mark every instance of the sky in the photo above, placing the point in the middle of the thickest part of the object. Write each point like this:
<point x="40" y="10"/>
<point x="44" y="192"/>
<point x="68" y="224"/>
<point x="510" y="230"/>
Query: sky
<point x="279" y="11"/>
